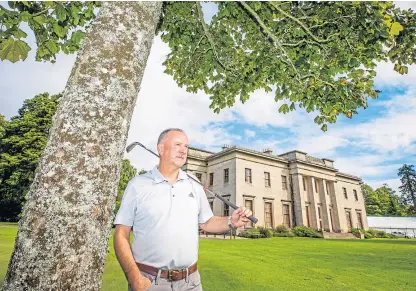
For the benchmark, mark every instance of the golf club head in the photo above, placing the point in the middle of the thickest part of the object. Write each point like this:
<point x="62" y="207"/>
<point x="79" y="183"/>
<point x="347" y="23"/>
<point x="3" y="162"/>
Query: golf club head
<point x="131" y="146"/>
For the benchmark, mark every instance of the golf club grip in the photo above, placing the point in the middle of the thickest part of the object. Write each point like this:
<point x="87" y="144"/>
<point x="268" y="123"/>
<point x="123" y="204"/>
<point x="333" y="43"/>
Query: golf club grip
<point x="232" y="205"/>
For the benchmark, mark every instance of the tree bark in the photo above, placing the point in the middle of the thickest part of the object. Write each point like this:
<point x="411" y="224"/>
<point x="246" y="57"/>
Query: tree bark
<point x="63" y="235"/>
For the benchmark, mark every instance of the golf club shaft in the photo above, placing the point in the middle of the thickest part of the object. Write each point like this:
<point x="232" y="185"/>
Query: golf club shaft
<point x="230" y="204"/>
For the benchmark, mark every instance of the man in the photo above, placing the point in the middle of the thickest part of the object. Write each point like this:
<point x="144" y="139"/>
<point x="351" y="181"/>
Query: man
<point x="163" y="209"/>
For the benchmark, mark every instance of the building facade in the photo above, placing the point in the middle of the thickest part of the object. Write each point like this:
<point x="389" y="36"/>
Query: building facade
<point x="288" y="189"/>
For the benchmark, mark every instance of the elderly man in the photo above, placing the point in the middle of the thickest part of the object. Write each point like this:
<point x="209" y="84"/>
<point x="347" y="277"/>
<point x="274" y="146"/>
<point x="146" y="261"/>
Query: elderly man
<point x="164" y="208"/>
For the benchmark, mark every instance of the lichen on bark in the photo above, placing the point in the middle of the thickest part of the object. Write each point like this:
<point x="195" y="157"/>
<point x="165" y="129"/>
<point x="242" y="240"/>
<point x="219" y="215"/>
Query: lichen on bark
<point x="66" y="223"/>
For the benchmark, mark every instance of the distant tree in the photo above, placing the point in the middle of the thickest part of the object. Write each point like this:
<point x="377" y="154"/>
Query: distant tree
<point x="3" y="124"/>
<point x="408" y="188"/>
<point x="24" y="139"/>
<point x="372" y="203"/>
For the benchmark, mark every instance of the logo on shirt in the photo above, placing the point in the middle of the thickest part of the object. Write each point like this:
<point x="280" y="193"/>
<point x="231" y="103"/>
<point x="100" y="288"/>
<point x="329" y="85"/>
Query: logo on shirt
<point x="191" y="195"/>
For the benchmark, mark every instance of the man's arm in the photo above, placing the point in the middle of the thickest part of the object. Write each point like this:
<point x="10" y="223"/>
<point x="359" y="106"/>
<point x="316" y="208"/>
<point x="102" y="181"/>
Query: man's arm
<point x="125" y="257"/>
<point x="219" y="224"/>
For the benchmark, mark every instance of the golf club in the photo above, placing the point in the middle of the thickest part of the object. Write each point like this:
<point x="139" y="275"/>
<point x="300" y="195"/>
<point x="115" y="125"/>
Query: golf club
<point x="251" y="218"/>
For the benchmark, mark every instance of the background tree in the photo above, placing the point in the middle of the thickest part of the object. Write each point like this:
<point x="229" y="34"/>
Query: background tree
<point x="371" y="200"/>
<point x="408" y="188"/>
<point x="21" y="147"/>
<point x="382" y="202"/>
<point x="316" y="55"/>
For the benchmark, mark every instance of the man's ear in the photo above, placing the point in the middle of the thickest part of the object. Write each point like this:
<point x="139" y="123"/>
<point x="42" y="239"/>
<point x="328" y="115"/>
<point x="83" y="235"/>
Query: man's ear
<point x="160" y="148"/>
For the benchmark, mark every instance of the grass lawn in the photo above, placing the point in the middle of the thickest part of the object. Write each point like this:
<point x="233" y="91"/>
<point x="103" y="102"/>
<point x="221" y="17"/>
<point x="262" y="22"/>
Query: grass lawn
<point x="281" y="264"/>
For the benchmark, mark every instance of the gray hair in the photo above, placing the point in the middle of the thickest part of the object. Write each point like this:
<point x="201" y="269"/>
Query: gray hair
<point x="165" y="132"/>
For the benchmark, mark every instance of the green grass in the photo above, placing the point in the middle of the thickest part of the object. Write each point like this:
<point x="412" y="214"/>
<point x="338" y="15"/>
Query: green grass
<point x="281" y="264"/>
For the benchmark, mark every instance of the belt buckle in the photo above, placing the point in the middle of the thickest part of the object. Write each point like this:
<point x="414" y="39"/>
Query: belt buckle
<point x="171" y="271"/>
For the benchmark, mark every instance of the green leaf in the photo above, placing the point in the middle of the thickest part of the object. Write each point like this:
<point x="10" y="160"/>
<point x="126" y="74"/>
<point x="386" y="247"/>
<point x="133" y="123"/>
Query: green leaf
<point x="40" y="19"/>
<point x="60" y="12"/>
<point x="14" y="50"/>
<point x="19" y="33"/>
<point x="396" y="28"/>
<point x="292" y="106"/>
<point x="284" y="108"/>
<point x="59" y="30"/>
<point x="51" y="45"/>
<point x="25" y="16"/>
<point x="324" y="127"/>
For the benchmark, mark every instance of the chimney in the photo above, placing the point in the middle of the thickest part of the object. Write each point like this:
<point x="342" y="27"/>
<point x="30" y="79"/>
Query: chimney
<point x="226" y="146"/>
<point x="268" y="151"/>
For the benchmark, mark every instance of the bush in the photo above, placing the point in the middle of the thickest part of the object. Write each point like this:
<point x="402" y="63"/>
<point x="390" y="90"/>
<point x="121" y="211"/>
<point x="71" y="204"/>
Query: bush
<point x="368" y="235"/>
<point x="283" y="234"/>
<point x="381" y="234"/>
<point x="373" y="232"/>
<point x="281" y="229"/>
<point x="304" y="231"/>
<point x="251" y="233"/>
<point x="356" y="232"/>
<point x="266" y="232"/>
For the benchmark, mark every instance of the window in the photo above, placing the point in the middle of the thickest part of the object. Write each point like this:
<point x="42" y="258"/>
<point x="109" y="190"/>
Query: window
<point x="268" y="214"/>
<point x="304" y="183"/>
<point x="360" y="220"/>
<point x="344" y="190"/>
<point x="226" y="175"/>
<point x="211" y="205"/>
<point x="355" y="195"/>
<point x="316" y="185"/>
<point x="199" y="176"/>
<point x="286" y="215"/>
<point x="308" y="222"/>
<point x="327" y="188"/>
<point x="267" y="179"/>
<point x="332" y="219"/>
<point x="226" y="209"/>
<point x="349" y="222"/>
<point x="211" y="179"/>
<point x="320" y="217"/>
<point x="248" y="175"/>
<point x="284" y="183"/>
<point x="249" y="205"/>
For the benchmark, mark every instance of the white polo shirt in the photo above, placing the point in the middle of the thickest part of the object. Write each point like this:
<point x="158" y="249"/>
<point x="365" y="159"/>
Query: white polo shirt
<point x="164" y="218"/>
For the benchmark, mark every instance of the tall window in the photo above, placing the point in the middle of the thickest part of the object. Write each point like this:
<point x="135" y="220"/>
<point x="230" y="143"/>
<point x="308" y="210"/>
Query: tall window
<point x="349" y="221"/>
<point x="268" y="214"/>
<point x="226" y="175"/>
<point x="211" y="179"/>
<point x="360" y="220"/>
<point x="249" y="205"/>
<point x="316" y="185"/>
<point x="286" y="215"/>
<point x="248" y="175"/>
<point x="284" y="183"/>
<point x="320" y="217"/>
<point x="304" y="183"/>
<point x="267" y="179"/>
<point x="327" y="188"/>
<point x="332" y="219"/>
<point x="307" y="216"/>
<point x="355" y="195"/>
<point x="344" y="190"/>
<point x="199" y="176"/>
<point x="226" y="209"/>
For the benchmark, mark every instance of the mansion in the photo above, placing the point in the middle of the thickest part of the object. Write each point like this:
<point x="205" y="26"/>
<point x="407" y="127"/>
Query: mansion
<point x="290" y="189"/>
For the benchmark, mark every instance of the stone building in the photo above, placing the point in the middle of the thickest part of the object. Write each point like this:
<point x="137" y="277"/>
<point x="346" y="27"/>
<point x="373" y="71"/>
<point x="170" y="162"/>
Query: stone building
<point x="290" y="189"/>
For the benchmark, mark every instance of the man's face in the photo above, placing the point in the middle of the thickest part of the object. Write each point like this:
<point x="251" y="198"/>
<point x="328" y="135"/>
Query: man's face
<point x="174" y="148"/>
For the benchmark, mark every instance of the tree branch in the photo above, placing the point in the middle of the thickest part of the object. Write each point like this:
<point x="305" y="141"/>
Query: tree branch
<point x="305" y="28"/>
<point x="269" y="34"/>
<point x="207" y="34"/>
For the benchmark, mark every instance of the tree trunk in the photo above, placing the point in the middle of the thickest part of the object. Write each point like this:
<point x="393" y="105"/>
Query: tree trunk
<point x="63" y="235"/>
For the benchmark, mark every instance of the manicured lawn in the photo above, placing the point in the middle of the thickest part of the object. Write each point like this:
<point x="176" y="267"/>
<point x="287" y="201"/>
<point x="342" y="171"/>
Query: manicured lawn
<point x="281" y="264"/>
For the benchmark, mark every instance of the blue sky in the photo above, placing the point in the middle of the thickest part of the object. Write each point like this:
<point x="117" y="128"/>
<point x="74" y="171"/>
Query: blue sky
<point x="372" y="145"/>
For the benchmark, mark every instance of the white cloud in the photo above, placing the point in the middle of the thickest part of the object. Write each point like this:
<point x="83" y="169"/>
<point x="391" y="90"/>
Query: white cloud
<point x="386" y="76"/>
<point x="249" y="133"/>
<point x="392" y="183"/>
<point x="406" y="5"/>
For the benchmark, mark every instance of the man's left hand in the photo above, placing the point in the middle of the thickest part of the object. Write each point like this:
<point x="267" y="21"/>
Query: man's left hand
<point x="239" y="218"/>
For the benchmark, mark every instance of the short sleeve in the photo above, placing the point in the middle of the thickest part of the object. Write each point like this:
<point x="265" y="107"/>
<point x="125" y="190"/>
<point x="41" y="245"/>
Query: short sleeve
<point x="128" y="206"/>
<point x="205" y="212"/>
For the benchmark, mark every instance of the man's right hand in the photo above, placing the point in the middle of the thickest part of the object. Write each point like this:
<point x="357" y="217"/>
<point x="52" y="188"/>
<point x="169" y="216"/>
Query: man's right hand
<point x="141" y="284"/>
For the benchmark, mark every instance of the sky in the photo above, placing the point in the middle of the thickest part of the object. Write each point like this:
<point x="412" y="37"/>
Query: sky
<point x="373" y="145"/>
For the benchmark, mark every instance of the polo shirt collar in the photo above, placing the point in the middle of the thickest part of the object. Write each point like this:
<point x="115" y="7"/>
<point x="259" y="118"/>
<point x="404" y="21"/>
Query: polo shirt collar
<point x="159" y="178"/>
